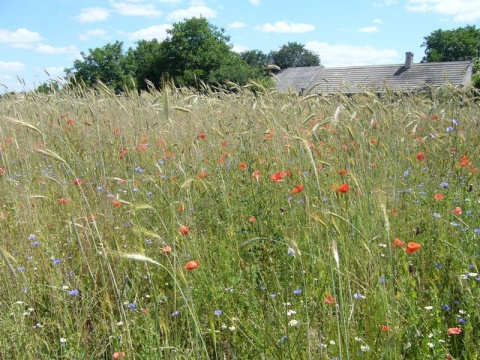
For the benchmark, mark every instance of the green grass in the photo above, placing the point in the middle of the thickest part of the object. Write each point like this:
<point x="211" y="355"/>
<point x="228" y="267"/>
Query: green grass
<point x="94" y="187"/>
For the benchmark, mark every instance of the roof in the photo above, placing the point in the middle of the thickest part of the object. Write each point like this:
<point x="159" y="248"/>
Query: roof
<point x="356" y="79"/>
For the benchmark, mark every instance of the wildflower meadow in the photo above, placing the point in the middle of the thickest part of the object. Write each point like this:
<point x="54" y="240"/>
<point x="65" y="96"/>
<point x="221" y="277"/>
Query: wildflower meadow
<point x="239" y="224"/>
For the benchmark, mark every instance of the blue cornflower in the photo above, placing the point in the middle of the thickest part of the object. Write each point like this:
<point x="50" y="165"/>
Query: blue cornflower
<point x="131" y="306"/>
<point x="358" y="296"/>
<point x="73" y="292"/>
<point x="31" y="237"/>
<point x="436" y="215"/>
<point x="462" y="321"/>
<point x="56" y="262"/>
<point x="444" y="184"/>
<point x="218" y="312"/>
<point x="138" y="169"/>
<point x="406" y="173"/>
<point x="382" y="280"/>
<point x="297" y="292"/>
<point x="176" y="313"/>
<point x="477" y="231"/>
<point x="449" y="129"/>
<point x="21" y="269"/>
<point x="446" y="307"/>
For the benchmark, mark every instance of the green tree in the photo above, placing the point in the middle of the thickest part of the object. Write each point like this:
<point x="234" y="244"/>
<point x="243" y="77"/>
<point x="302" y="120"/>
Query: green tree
<point x="461" y="44"/>
<point x="452" y="45"/>
<point x="294" y="55"/>
<point x="194" y="49"/>
<point x="49" y="87"/>
<point x="107" y="64"/>
<point x="145" y="60"/>
<point x="255" y="58"/>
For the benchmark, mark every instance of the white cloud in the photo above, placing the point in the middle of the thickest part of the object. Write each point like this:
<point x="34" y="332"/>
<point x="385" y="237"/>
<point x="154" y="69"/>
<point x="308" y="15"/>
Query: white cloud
<point x="239" y="48"/>
<point x="255" y="2"/>
<point x="129" y="9"/>
<point x="385" y="3"/>
<point x="48" y="49"/>
<point x="377" y="21"/>
<point x="93" y="14"/>
<point x="55" y="71"/>
<point x="21" y="36"/>
<point x="193" y="11"/>
<point x="348" y="55"/>
<point x="368" y="29"/>
<point x="11" y="66"/>
<point x="286" y="27"/>
<point x="170" y="1"/>
<point x="87" y="35"/>
<point x="460" y="10"/>
<point x="158" y="32"/>
<point x="237" y="25"/>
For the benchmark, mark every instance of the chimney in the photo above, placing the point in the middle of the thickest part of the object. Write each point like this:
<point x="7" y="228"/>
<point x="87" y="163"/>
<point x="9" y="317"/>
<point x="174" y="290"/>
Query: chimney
<point x="408" y="60"/>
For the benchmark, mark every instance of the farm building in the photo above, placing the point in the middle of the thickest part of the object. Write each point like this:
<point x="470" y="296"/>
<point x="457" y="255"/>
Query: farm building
<point x="405" y="77"/>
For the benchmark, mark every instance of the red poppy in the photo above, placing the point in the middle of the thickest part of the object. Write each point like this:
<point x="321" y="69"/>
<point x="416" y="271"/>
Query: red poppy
<point x="464" y="161"/>
<point x="439" y="197"/>
<point x="252" y="219"/>
<point x="342" y="172"/>
<point x="412" y="247"/>
<point x="118" y="354"/>
<point x="202" y="174"/>
<point x="167" y="250"/>
<point x="421" y="156"/>
<point x="77" y="182"/>
<point x="397" y="242"/>
<point x="385" y="328"/>
<point x="2" y="171"/>
<point x="454" y="331"/>
<point x="343" y="188"/>
<point x="64" y="201"/>
<point x="457" y="210"/>
<point x="70" y="122"/>
<point x="279" y="176"/>
<point x="184" y="230"/>
<point x="117" y="203"/>
<point x="192" y="264"/>
<point x="122" y="153"/>
<point x="297" y="189"/>
<point x="373" y="141"/>
<point x="242" y="165"/>
<point x="329" y="299"/>
<point x="202" y="136"/>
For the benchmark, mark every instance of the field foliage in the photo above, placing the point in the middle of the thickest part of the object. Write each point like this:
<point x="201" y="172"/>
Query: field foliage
<point x="239" y="225"/>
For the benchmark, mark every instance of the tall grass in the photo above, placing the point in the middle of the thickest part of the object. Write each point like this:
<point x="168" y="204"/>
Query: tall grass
<point x="290" y="204"/>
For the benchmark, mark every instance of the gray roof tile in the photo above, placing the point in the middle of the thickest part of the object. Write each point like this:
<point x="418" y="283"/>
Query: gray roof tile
<point x="374" y="77"/>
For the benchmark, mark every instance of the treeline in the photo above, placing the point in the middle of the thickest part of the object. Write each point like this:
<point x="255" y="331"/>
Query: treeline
<point x="195" y="52"/>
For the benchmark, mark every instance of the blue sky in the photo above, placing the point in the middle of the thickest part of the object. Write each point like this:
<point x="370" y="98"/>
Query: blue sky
<point x="47" y="36"/>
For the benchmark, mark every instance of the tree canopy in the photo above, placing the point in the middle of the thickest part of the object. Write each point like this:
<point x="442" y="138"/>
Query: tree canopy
<point x="107" y="64"/>
<point x="194" y="51"/>
<point x="294" y="55"/>
<point x="452" y="45"/>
